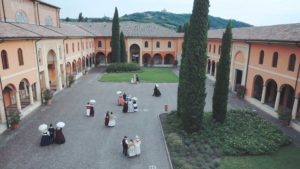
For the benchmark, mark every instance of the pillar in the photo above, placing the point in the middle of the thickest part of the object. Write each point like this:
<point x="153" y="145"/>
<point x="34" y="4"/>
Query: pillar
<point x="58" y="77"/>
<point x="46" y="75"/>
<point x="277" y="100"/>
<point x="263" y="96"/>
<point x="295" y="108"/>
<point x="216" y="66"/>
<point x="30" y="94"/>
<point x="19" y="100"/>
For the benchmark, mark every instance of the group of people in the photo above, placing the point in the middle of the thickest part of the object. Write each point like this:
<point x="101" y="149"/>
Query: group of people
<point x="90" y="111"/>
<point x="132" y="147"/>
<point x="110" y="119"/>
<point x="135" y="79"/>
<point x="51" y="135"/>
<point x="129" y="104"/>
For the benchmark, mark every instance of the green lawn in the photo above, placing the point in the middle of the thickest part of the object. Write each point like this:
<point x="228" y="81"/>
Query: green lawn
<point x="155" y="75"/>
<point x="285" y="158"/>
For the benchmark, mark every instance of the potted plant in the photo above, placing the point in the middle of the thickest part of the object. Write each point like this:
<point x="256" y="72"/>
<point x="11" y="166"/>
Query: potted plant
<point x="14" y="120"/>
<point x="71" y="80"/>
<point x="240" y="91"/>
<point x="47" y="95"/>
<point x="284" y="116"/>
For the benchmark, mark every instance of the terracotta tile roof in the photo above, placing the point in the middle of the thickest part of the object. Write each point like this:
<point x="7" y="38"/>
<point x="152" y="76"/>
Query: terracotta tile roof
<point x="130" y="29"/>
<point x="39" y="30"/>
<point x="10" y="31"/>
<point x="71" y="31"/>
<point x="286" y="32"/>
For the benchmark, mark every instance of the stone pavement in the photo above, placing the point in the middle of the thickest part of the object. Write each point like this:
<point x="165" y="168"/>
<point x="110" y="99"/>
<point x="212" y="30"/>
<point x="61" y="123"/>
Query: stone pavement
<point x="89" y="144"/>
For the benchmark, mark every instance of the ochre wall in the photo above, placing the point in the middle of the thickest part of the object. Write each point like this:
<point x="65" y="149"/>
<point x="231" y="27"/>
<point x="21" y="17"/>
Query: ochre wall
<point x="12" y="6"/>
<point x="46" y="11"/>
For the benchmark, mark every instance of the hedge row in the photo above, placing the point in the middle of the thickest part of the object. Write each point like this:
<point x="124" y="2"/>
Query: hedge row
<point x="122" y="67"/>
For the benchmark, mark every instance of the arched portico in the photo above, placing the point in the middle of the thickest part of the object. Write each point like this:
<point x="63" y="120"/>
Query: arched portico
<point x="26" y="97"/>
<point x="169" y="59"/>
<point x="52" y="70"/>
<point x="83" y="63"/>
<point x="135" y="51"/>
<point x="74" y="66"/>
<point x="213" y="67"/>
<point x="100" y="58"/>
<point x="146" y="58"/>
<point x="79" y="65"/>
<point x="258" y="84"/>
<point x="271" y="92"/>
<point x="157" y="59"/>
<point x="10" y="98"/>
<point x="287" y="97"/>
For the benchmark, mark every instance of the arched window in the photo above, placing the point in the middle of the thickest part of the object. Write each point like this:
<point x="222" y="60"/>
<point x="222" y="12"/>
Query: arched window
<point x="292" y="62"/>
<point x="48" y="21"/>
<point x="99" y="44"/>
<point x="21" y="17"/>
<point x="67" y="48"/>
<point x="261" y="57"/>
<point x="169" y="44"/>
<point x="157" y="45"/>
<point x="4" y="59"/>
<point x="20" y="57"/>
<point x="146" y="44"/>
<point x="275" y="59"/>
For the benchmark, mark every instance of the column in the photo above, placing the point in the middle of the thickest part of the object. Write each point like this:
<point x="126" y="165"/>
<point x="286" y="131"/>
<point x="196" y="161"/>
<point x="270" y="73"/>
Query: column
<point x="46" y="75"/>
<point x="277" y="100"/>
<point x="19" y="100"/>
<point x="216" y="66"/>
<point x="263" y="96"/>
<point x="295" y="108"/>
<point x="30" y="94"/>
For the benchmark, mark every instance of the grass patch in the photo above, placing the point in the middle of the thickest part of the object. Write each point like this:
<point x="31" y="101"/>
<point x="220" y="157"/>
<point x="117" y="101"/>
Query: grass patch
<point x="154" y="75"/>
<point x="285" y="158"/>
<point x="243" y="133"/>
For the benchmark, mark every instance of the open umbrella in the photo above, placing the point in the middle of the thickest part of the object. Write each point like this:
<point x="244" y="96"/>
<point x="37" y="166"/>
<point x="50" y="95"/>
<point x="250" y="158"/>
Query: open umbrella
<point x="93" y="101"/>
<point x="134" y="98"/>
<point x="43" y="127"/>
<point x="60" y="124"/>
<point x="156" y="85"/>
<point x="119" y="92"/>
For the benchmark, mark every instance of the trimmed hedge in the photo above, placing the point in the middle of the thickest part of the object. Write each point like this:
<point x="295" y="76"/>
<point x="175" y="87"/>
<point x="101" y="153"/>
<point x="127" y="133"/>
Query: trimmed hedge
<point x="123" y="67"/>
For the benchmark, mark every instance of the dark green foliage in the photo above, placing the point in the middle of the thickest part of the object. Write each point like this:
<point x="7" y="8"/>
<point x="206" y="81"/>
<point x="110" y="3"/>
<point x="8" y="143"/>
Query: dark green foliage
<point x="123" y="67"/>
<point x="67" y="19"/>
<point x="115" y="39"/>
<point x="220" y="97"/>
<point x="192" y="82"/>
<point x="80" y="17"/>
<point x="123" y="48"/>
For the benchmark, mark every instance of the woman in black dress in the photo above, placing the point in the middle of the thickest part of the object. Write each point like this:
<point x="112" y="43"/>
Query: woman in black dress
<point x="156" y="92"/>
<point x="106" y="119"/>
<point x="125" y="107"/>
<point x="45" y="138"/>
<point x="59" y="136"/>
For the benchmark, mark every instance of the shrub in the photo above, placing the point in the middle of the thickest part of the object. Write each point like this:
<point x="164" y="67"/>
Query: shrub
<point x="47" y="94"/>
<point x="123" y="67"/>
<point x="14" y="118"/>
<point x="71" y="80"/>
<point x="240" y="91"/>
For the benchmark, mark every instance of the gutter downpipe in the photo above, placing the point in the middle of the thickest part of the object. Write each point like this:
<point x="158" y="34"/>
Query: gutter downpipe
<point x="38" y="66"/>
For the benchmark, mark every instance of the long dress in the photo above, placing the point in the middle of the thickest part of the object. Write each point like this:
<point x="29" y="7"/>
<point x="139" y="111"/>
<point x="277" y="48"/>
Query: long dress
<point x="125" y="107"/>
<point x="156" y="92"/>
<point x="135" y="106"/>
<point x="106" y="121"/>
<point x="59" y="136"/>
<point x="131" y="149"/>
<point x="92" y="112"/>
<point x="51" y="131"/>
<point x="130" y="107"/>
<point x="121" y="101"/>
<point x="88" y="110"/>
<point x="112" y="121"/>
<point x="45" y="138"/>
<point x="137" y="146"/>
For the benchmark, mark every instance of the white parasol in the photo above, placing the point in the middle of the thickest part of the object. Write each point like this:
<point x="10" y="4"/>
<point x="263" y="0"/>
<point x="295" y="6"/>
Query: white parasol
<point x="43" y="127"/>
<point x="134" y="98"/>
<point x="60" y="124"/>
<point x="156" y="85"/>
<point x="119" y="92"/>
<point x="93" y="101"/>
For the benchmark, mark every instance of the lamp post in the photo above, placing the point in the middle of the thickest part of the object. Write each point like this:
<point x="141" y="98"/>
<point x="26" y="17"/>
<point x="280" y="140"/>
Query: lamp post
<point x="5" y="112"/>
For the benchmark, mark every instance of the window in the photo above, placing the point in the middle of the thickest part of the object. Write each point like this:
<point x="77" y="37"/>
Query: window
<point x="67" y="48"/>
<point x="99" y="44"/>
<point x="73" y="47"/>
<point x="20" y="57"/>
<point x="21" y="17"/>
<point x="261" y="57"/>
<point x="169" y="44"/>
<point x="146" y="44"/>
<point x="292" y="62"/>
<point x="48" y="21"/>
<point x="275" y="59"/>
<point x="157" y="44"/>
<point x="4" y="59"/>
<point x="214" y="48"/>
<point x="209" y="48"/>
<point x="78" y="46"/>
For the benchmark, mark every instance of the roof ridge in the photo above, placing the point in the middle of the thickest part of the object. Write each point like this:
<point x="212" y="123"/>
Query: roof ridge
<point x="24" y="28"/>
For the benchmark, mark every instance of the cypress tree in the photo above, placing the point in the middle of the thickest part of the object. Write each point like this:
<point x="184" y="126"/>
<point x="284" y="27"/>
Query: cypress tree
<point x="115" y="41"/>
<point x="80" y="17"/>
<point x="123" y="48"/>
<point x="220" y="97"/>
<point x="192" y="102"/>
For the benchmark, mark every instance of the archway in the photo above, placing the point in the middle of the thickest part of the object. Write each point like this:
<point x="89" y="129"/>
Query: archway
<point x="146" y="59"/>
<point x="208" y="66"/>
<point x="109" y="58"/>
<point x="169" y="59"/>
<point x="258" y="87"/>
<point x="52" y="69"/>
<point x="135" y="53"/>
<point x="271" y="92"/>
<point x="100" y="58"/>
<point x="24" y="93"/>
<point x="157" y="59"/>
<point x="9" y="97"/>
<point x="213" y="65"/>
<point x="287" y="97"/>
<point x="74" y="66"/>
<point x="79" y="65"/>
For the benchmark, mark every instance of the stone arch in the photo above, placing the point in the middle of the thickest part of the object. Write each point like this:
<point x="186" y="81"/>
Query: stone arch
<point x="169" y="59"/>
<point x="52" y="69"/>
<point x="9" y="98"/>
<point x="287" y="97"/>
<point x="135" y="51"/>
<point x="271" y="92"/>
<point x="157" y="59"/>
<point x="239" y="57"/>
<point x="100" y="58"/>
<point x="146" y="58"/>
<point x="258" y="84"/>
<point x="24" y="92"/>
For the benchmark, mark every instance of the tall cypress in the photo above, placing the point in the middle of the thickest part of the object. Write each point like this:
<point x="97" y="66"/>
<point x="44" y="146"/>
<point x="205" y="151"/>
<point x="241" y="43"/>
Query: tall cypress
<point x="123" y="48"/>
<point x="115" y="48"/>
<point x="220" y="97"/>
<point x="194" y="63"/>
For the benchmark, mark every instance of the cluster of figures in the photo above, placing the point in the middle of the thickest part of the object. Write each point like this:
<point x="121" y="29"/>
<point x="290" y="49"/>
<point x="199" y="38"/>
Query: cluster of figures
<point x="110" y="119"/>
<point x="132" y="147"/>
<point x="135" y="79"/>
<point x="90" y="111"/>
<point x="156" y="92"/>
<point x="51" y="135"/>
<point x="129" y="104"/>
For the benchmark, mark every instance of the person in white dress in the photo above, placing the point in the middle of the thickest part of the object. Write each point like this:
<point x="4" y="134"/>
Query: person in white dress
<point x="131" y="149"/>
<point x="135" y="106"/>
<point x="112" y="120"/>
<point x="137" y="145"/>
<point x="130" y="106"/>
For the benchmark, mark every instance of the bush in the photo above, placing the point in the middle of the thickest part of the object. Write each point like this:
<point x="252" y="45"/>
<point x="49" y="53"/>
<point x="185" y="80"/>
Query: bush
<point x="123" y="67"/>
<point x="240" y="91"/>
<point x="71" y="80"/>
<point x="47" y="94"/>
<point x="14" y="118"/>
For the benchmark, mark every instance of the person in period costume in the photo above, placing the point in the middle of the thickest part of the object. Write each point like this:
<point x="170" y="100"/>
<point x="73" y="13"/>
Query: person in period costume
<point x="125" y="107"/>
<point x="51" y="132"/>
<point x="121" y="100"/>
<point x="125" y="145"/>
<point x="130" y="106"/>
<point x="106" y="121"/>
<point x="137" y="78"/>
<point x="124" y="96"/>
<point x="133" y="79"/>
<point x="59" y="136"/>
<point x="88" y="109"/>
<point x="131" y="149"/>
<point x="112" y="120"/>
<point x="156" y="92"/>
<point x="135" y="106"/>
<point x="45" y="141"/>
<point x="137" y="145"/>
<point x="92" y="110"/>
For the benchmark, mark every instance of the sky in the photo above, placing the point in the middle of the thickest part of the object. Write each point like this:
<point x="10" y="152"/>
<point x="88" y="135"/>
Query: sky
<point x="254" y="12"/>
